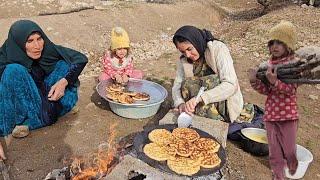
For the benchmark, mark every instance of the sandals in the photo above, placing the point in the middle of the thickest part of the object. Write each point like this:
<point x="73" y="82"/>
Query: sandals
<point x="20" y="131"/>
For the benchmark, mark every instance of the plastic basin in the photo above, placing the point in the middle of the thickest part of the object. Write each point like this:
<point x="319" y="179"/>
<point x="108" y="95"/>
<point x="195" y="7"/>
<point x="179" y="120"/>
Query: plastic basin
<point x="304" y="157"/>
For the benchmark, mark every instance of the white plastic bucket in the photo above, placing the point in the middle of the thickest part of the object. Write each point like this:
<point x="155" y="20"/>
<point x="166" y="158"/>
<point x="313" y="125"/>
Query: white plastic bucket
<point x="304" y="157"/>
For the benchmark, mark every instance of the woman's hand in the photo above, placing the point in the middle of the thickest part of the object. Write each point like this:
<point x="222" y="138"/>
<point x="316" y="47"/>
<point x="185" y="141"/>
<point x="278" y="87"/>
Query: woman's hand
<point x="182" y="108"/>
<point x="190" y="106"/>
<point x="2" y="156"/>
<point x="271" y="75"/>
<point x="252" y="74"/>
<point x="57" y="90"/>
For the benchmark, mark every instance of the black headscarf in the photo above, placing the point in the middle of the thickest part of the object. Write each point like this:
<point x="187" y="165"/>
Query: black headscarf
<point x="13" y="49"/>
<point x="197" y="37"/>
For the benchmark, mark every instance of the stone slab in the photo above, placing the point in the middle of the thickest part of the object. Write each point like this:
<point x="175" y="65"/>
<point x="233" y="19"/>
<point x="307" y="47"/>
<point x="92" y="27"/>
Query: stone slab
<point x="217" y="129"/>
<point x="129" y="163"/>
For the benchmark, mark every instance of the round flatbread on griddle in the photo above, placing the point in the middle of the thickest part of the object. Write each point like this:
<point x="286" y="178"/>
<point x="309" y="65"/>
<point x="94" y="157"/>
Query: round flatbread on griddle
<point x="183" y="165"/>
<point x="210" y="160"/>
<point x="184" y="147"/>
<point x="161" y="136"/>
<point x="207" y="144"/>
<point x="186" y="133"/>
<point x="156" y="152"/>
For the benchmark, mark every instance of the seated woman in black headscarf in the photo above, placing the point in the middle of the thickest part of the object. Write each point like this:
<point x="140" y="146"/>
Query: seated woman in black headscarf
<point x="39" y="80"/>
<point x="205" y="61"/>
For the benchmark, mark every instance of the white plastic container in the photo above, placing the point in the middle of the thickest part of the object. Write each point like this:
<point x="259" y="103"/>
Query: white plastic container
<point x="304" y="157"/>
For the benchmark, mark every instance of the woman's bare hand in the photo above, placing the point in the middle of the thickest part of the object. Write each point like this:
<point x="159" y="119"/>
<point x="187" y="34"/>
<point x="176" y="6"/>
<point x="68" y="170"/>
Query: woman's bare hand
<point x="191" y="106"/>
<point x="57" y="90"/>
<point x="182" y="108"/>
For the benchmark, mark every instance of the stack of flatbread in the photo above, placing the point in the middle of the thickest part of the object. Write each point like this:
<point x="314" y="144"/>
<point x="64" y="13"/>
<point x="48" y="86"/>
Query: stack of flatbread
<point x="117" y="93"/>
<point x="183" y="149"/>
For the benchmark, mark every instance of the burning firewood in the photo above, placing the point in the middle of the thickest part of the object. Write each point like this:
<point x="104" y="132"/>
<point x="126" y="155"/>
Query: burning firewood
<point x="304" y="70"/>
<point x="100" y="164"/>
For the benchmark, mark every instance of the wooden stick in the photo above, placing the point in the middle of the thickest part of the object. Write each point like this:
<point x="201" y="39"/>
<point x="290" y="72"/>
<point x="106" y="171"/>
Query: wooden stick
<point x="4" y="170"/>
<point x="283" y="66"/>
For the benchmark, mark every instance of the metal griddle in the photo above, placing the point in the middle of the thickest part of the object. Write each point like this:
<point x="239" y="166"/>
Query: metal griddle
<point x="141" y="139"/>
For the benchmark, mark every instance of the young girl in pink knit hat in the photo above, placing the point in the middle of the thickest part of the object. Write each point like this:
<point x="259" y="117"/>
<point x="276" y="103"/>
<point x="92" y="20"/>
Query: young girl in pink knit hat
<point x="117" y="61"/>
<point x="281" y="115"/>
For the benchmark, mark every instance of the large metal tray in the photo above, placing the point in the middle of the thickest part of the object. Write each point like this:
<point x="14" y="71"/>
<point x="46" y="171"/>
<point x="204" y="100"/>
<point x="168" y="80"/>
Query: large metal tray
<point x="139" y="109"/>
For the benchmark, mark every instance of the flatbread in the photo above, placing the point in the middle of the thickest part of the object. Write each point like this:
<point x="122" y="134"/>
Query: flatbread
<point x="207" y="144"/>
<point x="183" y="165"/>
<point x="197" y="155"/>
<point x="115" y="87"/>
<point x="210" y="160"/>
<point x="141" y="96"/>
<point x="125" y="99"/>
<point x="186" y="133"/>
<point x="171" y="151"/>
<point x="156" y="152"/>
<point x="161" y="136"/>
<point x="113" y="96"/>
<point x="184" y="147"/>
<point x="130" y="93"/>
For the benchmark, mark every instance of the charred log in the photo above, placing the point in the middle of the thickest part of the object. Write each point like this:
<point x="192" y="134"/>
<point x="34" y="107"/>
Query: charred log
<point x="302" y="71"/>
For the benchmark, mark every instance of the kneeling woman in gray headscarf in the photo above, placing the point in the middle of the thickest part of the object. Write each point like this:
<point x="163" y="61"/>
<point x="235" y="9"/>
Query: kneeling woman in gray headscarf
<point x="39" y="80"/>
<point x="205" y="61"/>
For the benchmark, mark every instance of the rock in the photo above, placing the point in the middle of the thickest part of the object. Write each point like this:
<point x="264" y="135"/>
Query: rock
<point x="304" y="6"/>
<point x="45" y="1"/>
<point x="90" y="106"/>
<point x="313" y="97"/>
<point x="80" y="131"/>
<point x="100" y="7"/>
<point x="107" y="3"/>
<point x="49" y="29"/>
<point x="65" y="4"/>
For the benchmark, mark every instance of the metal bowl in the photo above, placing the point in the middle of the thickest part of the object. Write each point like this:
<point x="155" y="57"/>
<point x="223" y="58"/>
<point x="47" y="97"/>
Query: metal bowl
<point x="139" y="109"/>
<point x="253" y="146"/>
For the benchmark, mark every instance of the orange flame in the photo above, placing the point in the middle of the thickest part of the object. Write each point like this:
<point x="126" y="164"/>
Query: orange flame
<point x="102" y="161"/>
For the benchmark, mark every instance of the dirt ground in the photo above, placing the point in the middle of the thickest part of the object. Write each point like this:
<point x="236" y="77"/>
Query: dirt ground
<point x="151" y="26"/>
